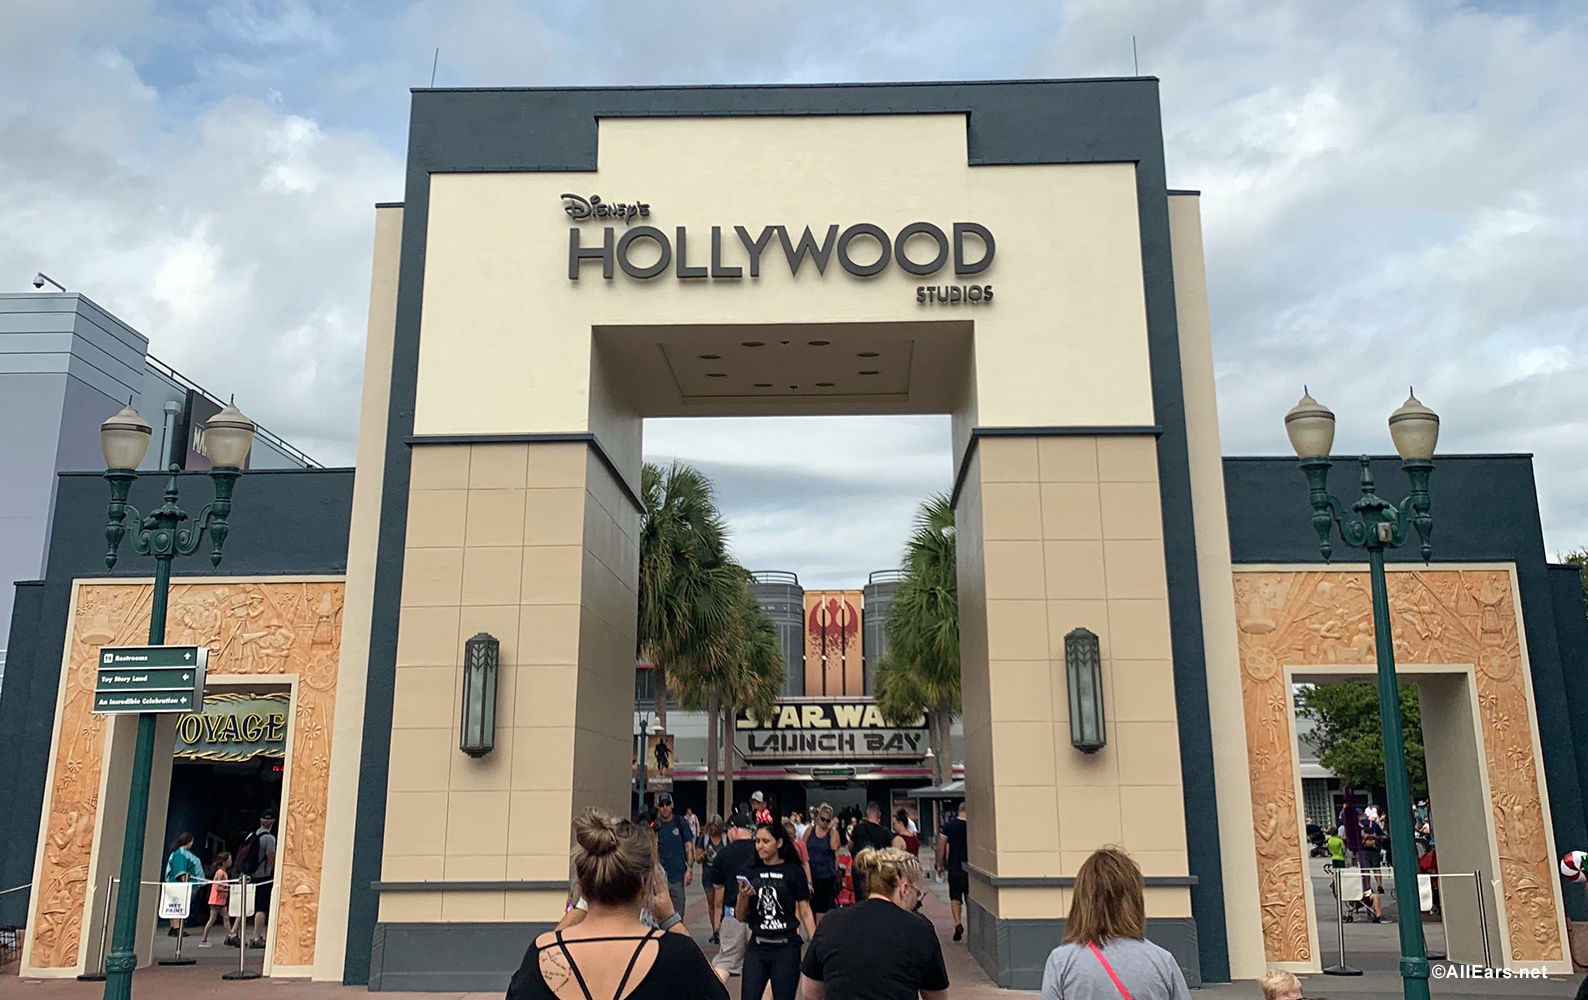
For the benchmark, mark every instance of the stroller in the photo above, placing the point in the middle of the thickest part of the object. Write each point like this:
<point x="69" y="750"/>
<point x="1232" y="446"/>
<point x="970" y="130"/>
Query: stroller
<point x="1354" y="906"/>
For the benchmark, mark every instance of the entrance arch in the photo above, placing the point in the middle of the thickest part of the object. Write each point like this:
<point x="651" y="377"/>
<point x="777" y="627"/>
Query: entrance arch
<point x="525" y="356"/>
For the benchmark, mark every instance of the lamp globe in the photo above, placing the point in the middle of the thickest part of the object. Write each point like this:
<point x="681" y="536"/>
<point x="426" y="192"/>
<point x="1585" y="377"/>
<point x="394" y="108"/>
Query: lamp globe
<point x="1310" y="426"/>
<point x="124" y="439"/>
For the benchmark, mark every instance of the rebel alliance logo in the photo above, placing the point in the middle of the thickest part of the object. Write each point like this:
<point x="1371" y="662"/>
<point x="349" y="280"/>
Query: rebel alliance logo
<point x="579" y="209"/>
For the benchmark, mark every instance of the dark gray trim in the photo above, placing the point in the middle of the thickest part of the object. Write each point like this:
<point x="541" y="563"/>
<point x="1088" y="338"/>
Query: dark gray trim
<point x="1172" y="192"/>
<point x="388" y="204"/>
<point x="906" y="85"/>
<point x="1064" y="881"/>
<point x="450" y="957"/>
<point x="1014" y="952"/>
<point x="467" y="886"/>
<point x="1112" y="120"/>
<point x="550" y="438"/>
<point x="977" y="433"/>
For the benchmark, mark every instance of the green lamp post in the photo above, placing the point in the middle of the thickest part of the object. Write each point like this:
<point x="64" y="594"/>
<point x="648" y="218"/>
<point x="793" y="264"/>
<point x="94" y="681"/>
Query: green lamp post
<point x="124" y="438"/>
<point x="1376" y="525"/>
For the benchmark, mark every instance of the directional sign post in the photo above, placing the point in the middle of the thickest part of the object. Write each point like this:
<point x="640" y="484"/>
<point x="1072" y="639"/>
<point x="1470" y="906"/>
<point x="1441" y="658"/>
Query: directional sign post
<point x="135" y="679"/>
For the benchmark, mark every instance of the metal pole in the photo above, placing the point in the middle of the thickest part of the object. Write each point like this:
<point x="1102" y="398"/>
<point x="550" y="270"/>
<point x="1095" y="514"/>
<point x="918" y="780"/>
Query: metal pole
<point x="242" y="971"/>
<point x="104" y="931"/>
<point x="182" y="930"/>
<point x="124" y="940"/>
<point x="1339" y="922"/>
<point x="1414" y="959"/>
<point x="1483" y="916"/>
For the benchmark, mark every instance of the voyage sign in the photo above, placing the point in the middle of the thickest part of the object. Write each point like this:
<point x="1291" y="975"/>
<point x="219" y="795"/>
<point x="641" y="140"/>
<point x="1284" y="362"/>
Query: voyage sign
<point x="134" y="679"/>
<point x="235" y="726"/>
<point x="829" y="730"/>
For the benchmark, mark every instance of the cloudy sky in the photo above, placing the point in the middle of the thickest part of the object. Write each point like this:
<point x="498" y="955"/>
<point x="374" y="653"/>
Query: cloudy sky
<point x="1393" y="192"/>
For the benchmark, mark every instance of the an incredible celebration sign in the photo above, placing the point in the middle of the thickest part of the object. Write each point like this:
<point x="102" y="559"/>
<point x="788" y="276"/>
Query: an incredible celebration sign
<point x="828" y="730"/>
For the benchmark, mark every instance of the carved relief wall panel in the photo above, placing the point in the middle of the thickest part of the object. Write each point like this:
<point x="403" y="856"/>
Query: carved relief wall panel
<point x="270" y="628"/>
<point x="1450" y="617"/>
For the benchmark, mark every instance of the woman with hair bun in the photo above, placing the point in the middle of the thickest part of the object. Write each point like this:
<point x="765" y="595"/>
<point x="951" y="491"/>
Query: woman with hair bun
<point x="880" y="948"/>
<point x="1105" y="951"/>
<point x="611" y="953"/>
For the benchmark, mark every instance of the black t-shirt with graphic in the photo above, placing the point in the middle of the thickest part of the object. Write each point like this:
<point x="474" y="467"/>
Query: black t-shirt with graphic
<point x="774" y="892"/>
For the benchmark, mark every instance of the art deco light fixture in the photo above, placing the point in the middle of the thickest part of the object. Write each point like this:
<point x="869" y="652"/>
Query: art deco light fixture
<point x="1083" y="670"/>
<point x="481" y="655"/>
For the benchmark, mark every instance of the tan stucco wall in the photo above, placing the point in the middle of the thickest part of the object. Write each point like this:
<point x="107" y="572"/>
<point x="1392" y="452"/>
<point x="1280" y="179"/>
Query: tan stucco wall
<point x="1070" y="535"/>
<point x="1237" y="850"/>
<point x="1064" y="342"/>
<point x="536" y="545"/>
<point x="363" y="534"/>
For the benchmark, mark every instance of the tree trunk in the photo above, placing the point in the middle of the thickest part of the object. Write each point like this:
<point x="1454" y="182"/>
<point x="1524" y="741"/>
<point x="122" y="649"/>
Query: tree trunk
<point x="730" y="713"/>
<point x="942" y="746"/>
<point x="659" y="694"/>
<point x="713" y="749"/>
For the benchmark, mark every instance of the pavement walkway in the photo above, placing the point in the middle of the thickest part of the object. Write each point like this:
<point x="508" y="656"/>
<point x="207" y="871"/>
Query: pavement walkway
<point x="202" y="981"/>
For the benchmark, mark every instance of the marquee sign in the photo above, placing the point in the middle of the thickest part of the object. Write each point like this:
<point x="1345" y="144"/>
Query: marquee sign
<point x="833" y="730"/>
<point x="235" y="726"/>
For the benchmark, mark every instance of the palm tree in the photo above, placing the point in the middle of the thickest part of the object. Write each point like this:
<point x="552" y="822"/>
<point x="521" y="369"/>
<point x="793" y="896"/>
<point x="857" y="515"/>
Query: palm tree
<point x="920" y="672"/>
<point x="739" y="667"/>
<point x="685" y="593"/>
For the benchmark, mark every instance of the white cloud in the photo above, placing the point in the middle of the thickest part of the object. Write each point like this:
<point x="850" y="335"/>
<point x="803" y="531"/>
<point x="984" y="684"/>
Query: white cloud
<point x="1394" y="193"/>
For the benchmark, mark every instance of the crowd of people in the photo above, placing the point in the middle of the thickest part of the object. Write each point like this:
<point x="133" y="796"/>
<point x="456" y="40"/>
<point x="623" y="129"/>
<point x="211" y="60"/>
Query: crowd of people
<point x="824" y="907"/>
<point x="213" y="882"/>
<point x="1359" y="838"/>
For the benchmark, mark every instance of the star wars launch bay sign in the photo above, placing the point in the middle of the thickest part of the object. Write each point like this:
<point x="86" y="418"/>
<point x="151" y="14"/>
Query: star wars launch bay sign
<point x="862" y="249"/>
<point x="828" y="729"/>
<point x="135" y="679"/>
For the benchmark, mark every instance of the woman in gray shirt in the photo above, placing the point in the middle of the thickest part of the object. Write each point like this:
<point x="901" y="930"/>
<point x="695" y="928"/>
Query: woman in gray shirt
<point x="1105" y="954"/>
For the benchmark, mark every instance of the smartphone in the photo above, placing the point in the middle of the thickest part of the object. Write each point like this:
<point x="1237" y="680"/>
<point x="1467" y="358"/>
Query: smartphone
<point x="744" y="883"/>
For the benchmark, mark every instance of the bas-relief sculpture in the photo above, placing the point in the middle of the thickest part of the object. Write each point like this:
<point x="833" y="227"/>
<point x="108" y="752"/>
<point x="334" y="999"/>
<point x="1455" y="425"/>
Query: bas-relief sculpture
<point x="1453" y="617"/>
<point x="271" y="628"/>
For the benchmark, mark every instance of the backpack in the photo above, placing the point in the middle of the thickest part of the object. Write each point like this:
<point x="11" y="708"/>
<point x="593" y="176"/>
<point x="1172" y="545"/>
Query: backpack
<point x="247" y="859"/>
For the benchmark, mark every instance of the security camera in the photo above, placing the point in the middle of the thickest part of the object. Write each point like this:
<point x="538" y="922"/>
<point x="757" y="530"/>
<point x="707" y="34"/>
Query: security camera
<point x="38" y="281"/>
<point x="41" y="278"/>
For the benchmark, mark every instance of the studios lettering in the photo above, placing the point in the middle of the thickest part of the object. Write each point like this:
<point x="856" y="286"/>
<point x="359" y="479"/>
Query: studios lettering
<point x="862" y="250"/>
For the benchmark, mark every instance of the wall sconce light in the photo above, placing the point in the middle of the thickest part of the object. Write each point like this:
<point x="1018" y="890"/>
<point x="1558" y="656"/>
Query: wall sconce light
<point x="1083" y="671"/>
<point x="481" y="655"/>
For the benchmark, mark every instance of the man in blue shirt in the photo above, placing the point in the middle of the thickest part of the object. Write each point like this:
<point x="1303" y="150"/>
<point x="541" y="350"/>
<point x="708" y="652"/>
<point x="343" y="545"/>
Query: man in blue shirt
<point x="952" y="850"/>
<point x="675" y="849"/>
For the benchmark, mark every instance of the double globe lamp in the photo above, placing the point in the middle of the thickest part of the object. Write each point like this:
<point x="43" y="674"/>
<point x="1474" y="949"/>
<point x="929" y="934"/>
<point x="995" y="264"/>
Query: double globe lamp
<point x="1374" y="524"/>
<point x="226" y="439"/>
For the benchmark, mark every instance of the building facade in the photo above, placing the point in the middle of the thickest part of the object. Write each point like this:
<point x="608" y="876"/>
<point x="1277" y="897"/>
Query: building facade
<point x="566" y="263"/>
<point x="66" y="364"/>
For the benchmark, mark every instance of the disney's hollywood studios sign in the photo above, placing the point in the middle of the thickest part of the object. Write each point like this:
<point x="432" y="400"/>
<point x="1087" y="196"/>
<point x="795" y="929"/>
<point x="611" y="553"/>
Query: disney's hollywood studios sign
<point x="862" y="249"/>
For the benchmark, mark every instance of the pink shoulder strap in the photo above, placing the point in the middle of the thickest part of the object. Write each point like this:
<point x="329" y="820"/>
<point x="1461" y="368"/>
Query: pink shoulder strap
<point x="1109" y="969"/>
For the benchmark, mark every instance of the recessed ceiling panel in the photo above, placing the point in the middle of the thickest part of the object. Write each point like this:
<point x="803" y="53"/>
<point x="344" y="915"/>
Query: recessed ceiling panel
<point x="732" y="364"/>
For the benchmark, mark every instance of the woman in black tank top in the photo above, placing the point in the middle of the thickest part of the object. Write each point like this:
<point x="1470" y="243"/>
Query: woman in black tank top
<point x="610" y="954"/>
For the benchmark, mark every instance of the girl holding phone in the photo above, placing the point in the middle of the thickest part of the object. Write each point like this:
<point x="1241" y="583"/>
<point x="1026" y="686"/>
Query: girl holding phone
<point x="775" y="902"/>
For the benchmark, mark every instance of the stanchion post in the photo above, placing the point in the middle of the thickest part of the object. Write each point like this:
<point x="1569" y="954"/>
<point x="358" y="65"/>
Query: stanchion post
<point x="186" y="880"/>
<point x="1339" y="922"/>
<point x="242" y="971"/>
<point x="104" y="931"/>
<point x="1441" y="955"/>
<point x="1483" y="916"/>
